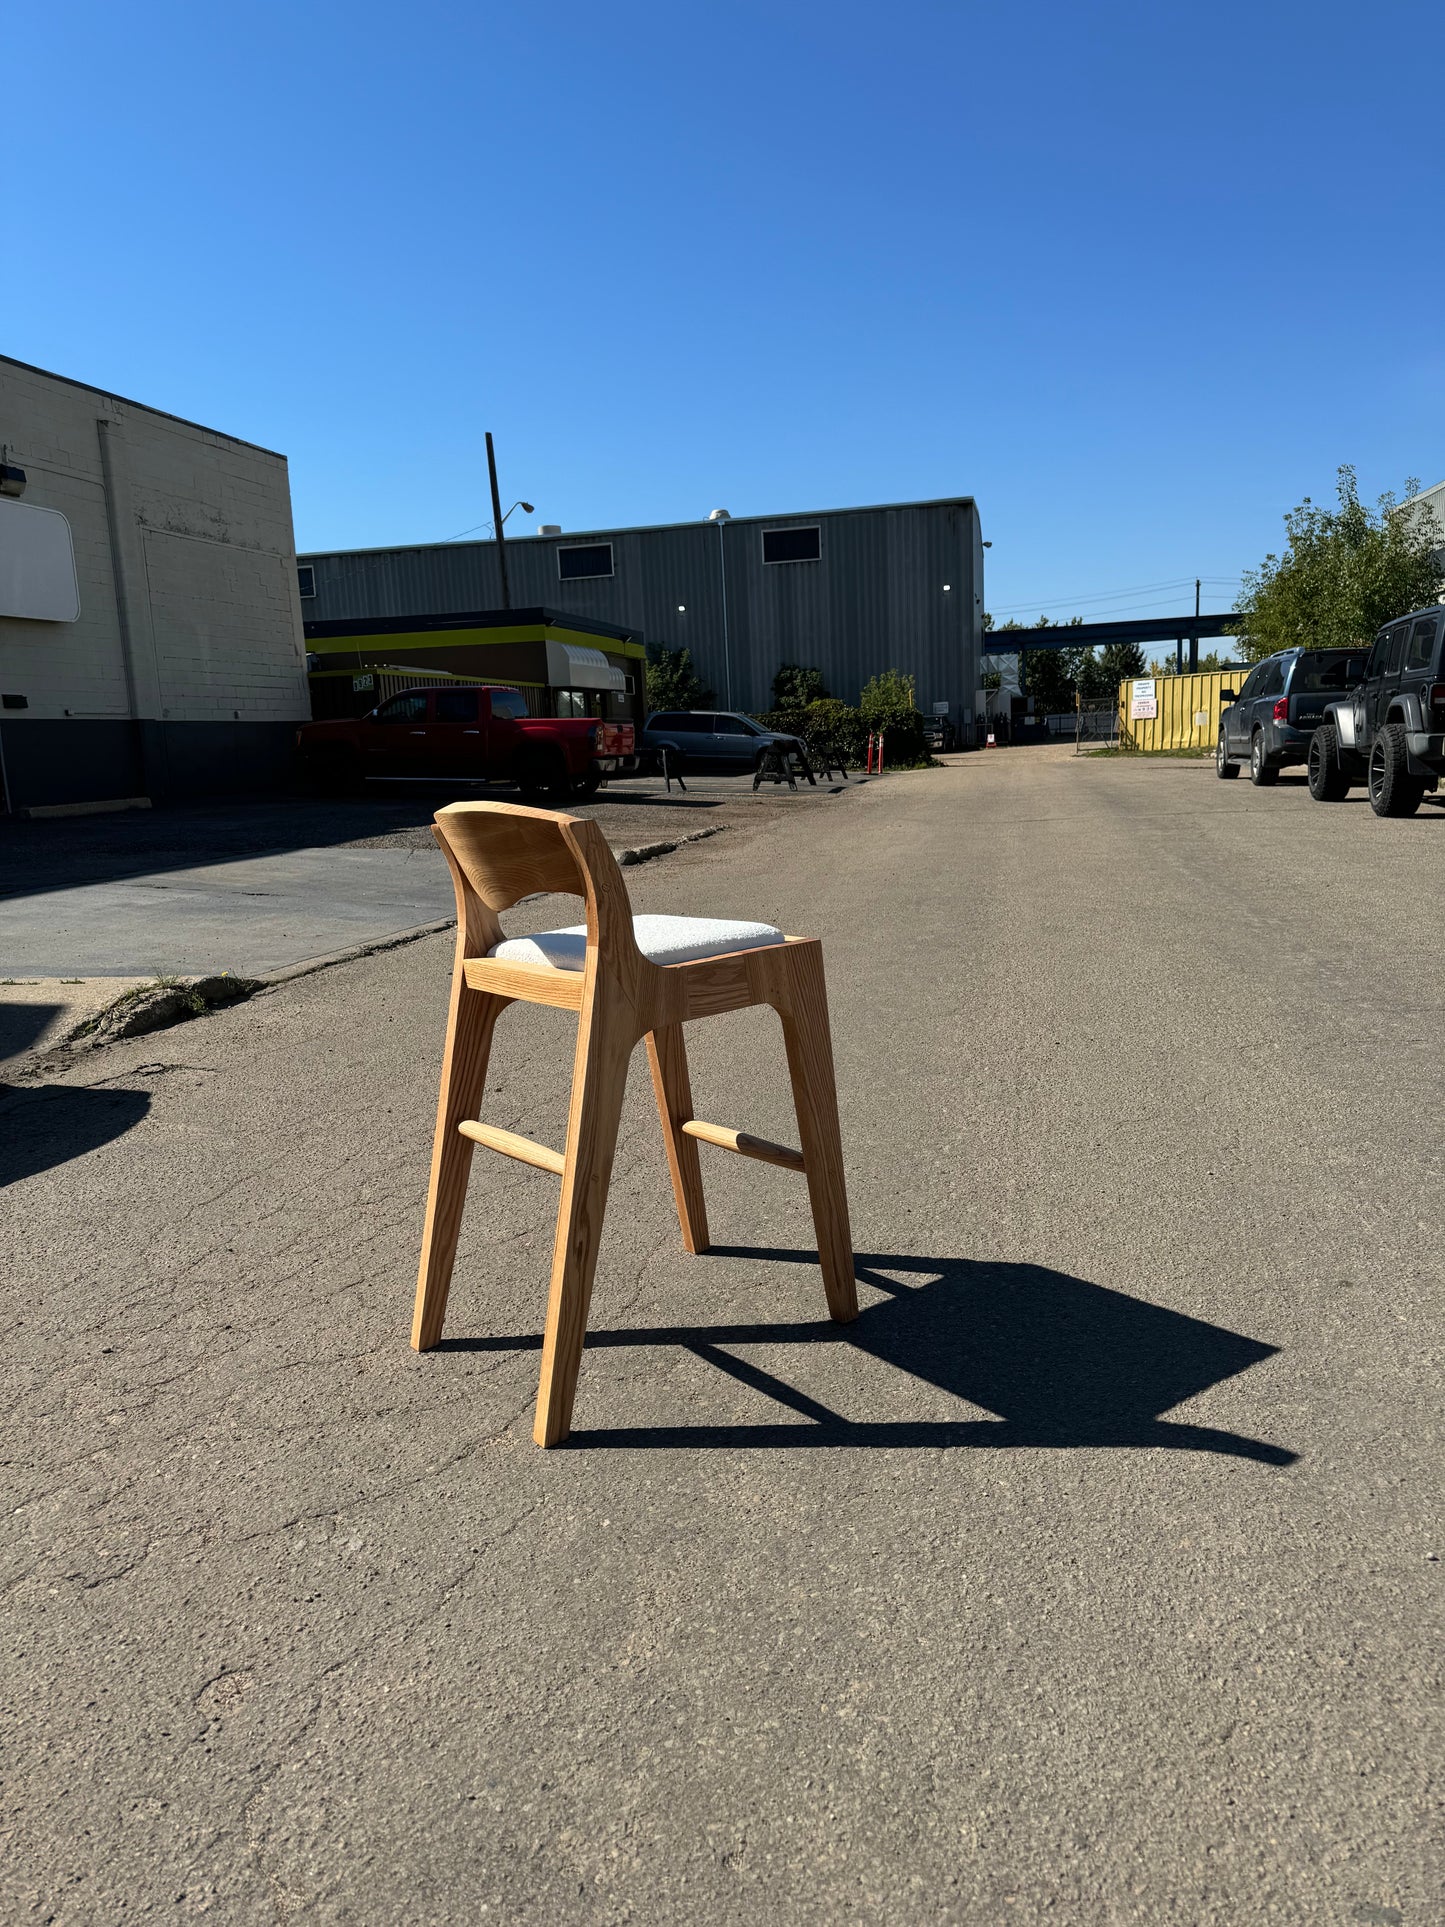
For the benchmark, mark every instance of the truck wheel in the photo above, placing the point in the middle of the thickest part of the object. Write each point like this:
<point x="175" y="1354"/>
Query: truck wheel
<point x="543" y="777"/>
<point x="1328" y="781"/>
<point x="587" y="785"/>
<point x="1393" y="790"/>
<point x="1222" y="765"/>
<point x="1262" y="772"/>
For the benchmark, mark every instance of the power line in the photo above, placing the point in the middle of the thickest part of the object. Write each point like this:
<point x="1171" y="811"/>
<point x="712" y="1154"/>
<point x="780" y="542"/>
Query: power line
<point x="1114" y="600"/>
<point x="1102" y="595"/>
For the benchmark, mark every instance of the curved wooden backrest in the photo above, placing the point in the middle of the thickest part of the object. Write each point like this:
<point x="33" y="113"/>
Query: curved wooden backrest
<point x="502" y="852"/>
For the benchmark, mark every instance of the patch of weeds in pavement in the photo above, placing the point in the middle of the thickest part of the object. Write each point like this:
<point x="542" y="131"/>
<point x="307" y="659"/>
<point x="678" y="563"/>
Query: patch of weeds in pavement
<point x="1155" y="755"/>
<point x="157" y="1005"/>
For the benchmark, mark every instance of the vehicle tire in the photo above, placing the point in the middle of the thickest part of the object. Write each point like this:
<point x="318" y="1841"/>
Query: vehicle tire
<point x="542" y="777"/>
<point x="1262" y="772"/>
<point x="1222" y="765"/>
<point x="1393" y="790"/>
<point x="588" y="785"/>
<point x="1328" y="781"/>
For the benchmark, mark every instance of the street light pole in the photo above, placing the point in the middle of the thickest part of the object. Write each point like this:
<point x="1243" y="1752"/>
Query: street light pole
<point x="497" y="522"/>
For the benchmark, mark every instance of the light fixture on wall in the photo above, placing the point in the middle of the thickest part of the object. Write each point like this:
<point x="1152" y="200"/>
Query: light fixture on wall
<point x="947" y="587"/>
<point x="682" y="608"/>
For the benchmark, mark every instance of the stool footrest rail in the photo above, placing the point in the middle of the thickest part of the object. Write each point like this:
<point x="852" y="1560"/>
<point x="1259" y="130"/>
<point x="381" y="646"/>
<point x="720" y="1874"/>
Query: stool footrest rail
<point x="741" y="1141"/>
<point x="513" y="1145"/>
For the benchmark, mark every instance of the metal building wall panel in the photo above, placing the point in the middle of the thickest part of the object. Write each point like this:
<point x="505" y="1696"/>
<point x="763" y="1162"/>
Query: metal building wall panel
<point x="874" y="601"/>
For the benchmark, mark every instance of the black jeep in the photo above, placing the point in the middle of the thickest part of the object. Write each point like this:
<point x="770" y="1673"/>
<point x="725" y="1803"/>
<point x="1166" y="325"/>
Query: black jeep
<point x="1389" y="732"/>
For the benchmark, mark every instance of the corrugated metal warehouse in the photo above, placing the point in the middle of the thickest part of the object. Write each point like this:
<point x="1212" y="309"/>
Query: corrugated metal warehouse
<point x="150" y="626"/>
<point x="850" y="591"/>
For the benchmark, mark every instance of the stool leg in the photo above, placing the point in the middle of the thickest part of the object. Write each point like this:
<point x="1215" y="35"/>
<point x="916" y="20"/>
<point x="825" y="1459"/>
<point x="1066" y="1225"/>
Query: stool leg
<point x="667" y="1054"/>
<point x="464" y="1075"/>
<point x="815" y="1096"/>
<point x="604" y="1046"/>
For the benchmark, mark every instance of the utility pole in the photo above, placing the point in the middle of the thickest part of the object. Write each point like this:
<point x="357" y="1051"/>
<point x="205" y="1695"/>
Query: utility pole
<point x="497" y="522"/>
<point x="1194" y="639"/>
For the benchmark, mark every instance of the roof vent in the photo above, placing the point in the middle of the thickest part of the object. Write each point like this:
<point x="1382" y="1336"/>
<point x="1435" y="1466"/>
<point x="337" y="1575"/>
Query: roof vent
<point x="549" y="528"/>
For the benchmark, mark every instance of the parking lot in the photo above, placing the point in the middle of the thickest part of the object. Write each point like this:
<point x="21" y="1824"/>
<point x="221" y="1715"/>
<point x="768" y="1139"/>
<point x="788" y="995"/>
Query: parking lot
<point x="1093" y="1575"/>
<point x="260" y="886"/>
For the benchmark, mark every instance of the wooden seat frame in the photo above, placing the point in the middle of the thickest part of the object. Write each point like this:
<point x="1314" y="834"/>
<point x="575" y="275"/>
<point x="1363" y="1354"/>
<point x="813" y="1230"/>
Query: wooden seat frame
<point x="500" y="853"/>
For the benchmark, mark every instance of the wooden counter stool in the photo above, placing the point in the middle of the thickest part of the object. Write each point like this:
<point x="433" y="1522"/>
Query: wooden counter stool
<point x="626" y="978"/>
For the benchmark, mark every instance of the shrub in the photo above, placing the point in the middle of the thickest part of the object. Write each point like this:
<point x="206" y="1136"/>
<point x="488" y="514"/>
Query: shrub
<point x="795" y="687"/>
<point x="889" y="704"/>
<point x="673" y="683"/>
<point x="831" y="729"/>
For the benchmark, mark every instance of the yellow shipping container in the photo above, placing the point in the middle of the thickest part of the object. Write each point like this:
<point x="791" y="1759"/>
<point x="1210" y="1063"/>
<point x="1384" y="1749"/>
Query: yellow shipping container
<point x="1185" y="709"/>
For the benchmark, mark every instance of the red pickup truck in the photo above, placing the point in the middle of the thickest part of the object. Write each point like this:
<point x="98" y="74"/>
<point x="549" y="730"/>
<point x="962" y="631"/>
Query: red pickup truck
<point x="459" y="730"/>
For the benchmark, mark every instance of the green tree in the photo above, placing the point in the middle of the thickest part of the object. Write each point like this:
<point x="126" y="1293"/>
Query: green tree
<point x="1344" y="572"/>
<point x="1091" y="678"/>
<point x="673" y="683"/>
<point x="1121" y="661"/>
<point x="1049" y="680"/>
<point x="794" y="687"/>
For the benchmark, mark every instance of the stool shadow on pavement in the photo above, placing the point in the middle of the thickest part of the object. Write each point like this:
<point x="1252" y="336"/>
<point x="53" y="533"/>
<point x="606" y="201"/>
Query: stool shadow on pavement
<point x="44" y="1125"/>
<point x="1063" y="1363"/>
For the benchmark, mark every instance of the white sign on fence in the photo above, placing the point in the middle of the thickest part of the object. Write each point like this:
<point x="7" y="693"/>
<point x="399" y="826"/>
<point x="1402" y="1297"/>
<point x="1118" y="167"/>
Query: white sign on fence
<point x="1143" y="701"/>
<point x="1201" y="719"/>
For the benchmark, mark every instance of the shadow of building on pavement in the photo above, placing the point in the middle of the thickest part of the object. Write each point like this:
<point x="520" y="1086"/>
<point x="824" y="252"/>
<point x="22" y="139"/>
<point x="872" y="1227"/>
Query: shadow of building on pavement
<point x="44" y="1125"/>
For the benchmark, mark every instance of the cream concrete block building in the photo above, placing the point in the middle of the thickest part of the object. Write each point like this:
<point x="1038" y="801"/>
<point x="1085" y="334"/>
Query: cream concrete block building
<point x="150" y="626"/>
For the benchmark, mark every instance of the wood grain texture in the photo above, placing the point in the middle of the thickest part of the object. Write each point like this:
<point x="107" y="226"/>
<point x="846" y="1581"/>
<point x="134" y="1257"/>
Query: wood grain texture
<point x="512" y="1145"/>
<point x="815" y="1096"/>
<point x="471" y="1020"/>
<point x="744" y="1143"/>
<point x="604" y="1045"/>
<point x="500" y="853"/>
<point x="509" y="852"/>
<point x="667" y="1057"/>
<point x="526" y="983"/>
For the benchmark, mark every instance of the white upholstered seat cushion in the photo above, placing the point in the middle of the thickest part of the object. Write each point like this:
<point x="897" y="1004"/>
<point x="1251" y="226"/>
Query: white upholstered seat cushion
<point x="663" y="940"/>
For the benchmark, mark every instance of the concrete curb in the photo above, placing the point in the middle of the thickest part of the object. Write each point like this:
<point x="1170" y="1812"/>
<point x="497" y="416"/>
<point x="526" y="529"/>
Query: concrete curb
<point x="269" y="979"/>
<point x="645" y="852"/>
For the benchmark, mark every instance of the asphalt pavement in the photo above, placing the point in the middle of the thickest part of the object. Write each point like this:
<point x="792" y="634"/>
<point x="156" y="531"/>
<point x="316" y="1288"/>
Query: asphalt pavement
<point x="1092" y="1576"/>
<point x="259" y="885"/>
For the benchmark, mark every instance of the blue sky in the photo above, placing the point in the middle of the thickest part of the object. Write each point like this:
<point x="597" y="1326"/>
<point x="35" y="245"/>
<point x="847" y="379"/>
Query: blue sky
<point x="1137" y="277"/>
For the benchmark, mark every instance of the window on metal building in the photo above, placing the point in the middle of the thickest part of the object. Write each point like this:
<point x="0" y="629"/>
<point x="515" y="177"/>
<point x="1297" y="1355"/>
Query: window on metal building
<point x="793" y="545"/>
<point x="581" y="560"/>
<point x="306" y="577"/>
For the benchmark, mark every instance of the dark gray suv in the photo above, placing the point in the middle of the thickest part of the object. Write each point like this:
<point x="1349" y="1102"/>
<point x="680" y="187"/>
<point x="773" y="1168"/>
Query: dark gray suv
<point x="1269" y="723"/>
<point x="698" y="739"/>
